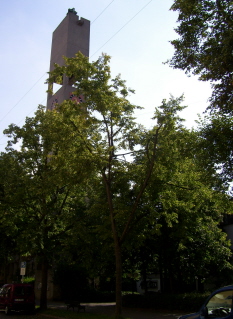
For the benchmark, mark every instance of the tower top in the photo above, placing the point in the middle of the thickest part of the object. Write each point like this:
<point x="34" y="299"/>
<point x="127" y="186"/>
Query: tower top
<point x="71" y="36"/>
<point x="72" y="10"/>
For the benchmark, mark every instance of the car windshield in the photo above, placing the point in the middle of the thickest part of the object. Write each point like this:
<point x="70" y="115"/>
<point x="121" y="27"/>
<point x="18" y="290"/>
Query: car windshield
<point x="220" y="304"/>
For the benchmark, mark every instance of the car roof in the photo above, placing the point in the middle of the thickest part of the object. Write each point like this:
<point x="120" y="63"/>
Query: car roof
<point x="225" y="288"/>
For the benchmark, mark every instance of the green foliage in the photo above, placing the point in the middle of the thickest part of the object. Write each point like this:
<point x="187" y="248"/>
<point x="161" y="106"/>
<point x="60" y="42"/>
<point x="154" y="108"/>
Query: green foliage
<point x="174" y="302"/>
<point x="28" y="280"/>
<point x="38" y="187"/>
<point x="185" y="202"/>
<point x="205" y="45"/>
<point x="123" y="153"/>
<point x="215" y="132"/>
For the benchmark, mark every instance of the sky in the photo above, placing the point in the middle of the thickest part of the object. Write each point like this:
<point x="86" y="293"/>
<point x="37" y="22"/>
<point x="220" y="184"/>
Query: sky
<point x="135" y="33"/>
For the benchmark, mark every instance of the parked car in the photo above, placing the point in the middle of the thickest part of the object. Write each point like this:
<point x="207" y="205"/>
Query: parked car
<point x="17" y="297"/>
<point x="218" y="305"/>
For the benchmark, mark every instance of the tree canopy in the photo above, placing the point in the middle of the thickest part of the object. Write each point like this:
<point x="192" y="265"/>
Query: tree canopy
<point x="41" y="202"/>
<point x="110" y="140"/>
<point x="205" y="45"/>
<point x="215" y="140"/>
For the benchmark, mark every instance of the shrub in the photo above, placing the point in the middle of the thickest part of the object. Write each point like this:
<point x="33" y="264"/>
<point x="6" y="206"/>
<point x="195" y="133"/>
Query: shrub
<point x="189" y="302"/>
<point x="29" y="280"/>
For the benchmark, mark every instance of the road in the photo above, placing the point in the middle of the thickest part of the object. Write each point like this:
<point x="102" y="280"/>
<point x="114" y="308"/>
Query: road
<point x="103" y="308"/>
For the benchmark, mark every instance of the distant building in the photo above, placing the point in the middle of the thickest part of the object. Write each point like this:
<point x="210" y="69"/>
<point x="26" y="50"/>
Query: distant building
<point x="71" y="36"/>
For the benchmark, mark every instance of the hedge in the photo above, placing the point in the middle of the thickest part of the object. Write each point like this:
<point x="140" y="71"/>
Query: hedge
<point x="190" y="302"/>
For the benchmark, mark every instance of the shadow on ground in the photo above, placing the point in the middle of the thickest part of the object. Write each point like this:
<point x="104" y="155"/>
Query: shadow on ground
<point x="132" y="313"/>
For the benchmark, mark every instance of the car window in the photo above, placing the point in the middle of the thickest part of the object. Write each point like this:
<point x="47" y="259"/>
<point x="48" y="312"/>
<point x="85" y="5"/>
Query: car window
<point x="220" y="304"/>
<point x="4" y="291"/>
<point x="9" y="291"/>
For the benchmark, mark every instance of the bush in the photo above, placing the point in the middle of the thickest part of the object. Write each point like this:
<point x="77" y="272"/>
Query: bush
<point x="190" y="302"/>
<point x="29" y="280"/>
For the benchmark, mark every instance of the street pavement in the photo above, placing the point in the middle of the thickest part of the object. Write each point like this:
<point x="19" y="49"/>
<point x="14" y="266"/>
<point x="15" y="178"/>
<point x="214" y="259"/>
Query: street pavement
<point x="102" y="308"/>
<point x="132" y="313"/>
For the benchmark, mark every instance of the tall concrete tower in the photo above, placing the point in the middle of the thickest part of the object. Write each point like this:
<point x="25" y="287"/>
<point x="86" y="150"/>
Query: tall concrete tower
<point x="71" y="36"/>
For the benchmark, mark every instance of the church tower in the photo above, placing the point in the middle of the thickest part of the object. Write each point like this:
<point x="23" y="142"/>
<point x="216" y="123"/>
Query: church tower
<point x="71" y="36"/>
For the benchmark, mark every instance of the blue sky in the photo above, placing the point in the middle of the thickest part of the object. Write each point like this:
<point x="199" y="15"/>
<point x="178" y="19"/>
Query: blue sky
<point x="135" y="33"/>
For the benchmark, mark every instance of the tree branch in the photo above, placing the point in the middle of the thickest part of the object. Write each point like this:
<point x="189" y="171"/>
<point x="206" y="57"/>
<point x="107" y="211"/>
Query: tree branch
<point x="143" y="187"/>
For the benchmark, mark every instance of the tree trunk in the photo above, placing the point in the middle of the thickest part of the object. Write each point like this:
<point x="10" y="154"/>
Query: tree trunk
<point x="144" y="274"/>
<point x="117" y="248"/>
<point x="161" y="274"/>
<point x="44" y="283"/>
<point x="118" y="279"/>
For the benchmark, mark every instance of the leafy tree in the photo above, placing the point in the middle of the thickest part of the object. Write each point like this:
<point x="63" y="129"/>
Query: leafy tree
<point x="136" y="168"/>
<point x="191" y="249"/>
<point x="41" y="202"/>
<point x="192" y="202"/>
<point x="8" y="241"/>
<point x="205" y="45"/>
<point x="215" y="132"/>
<point x="189" y="202"/>
<point x="112" y="140"/>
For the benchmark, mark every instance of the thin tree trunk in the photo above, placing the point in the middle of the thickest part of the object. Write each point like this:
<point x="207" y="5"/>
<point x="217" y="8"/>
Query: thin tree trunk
<point x="161" y="274"/>
<point x="117" y="248"/>
<point x="144" y="277"/>
<point x="118" y="259"/>
<point x="44" y="283"/>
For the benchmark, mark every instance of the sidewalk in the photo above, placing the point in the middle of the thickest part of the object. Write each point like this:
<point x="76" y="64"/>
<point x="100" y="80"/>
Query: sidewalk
<point x="108" y="308"/>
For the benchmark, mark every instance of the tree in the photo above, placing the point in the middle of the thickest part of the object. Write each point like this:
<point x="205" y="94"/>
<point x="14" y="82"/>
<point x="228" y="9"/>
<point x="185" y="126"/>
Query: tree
<point x="189" y="200"/>
<point x="193" y="201"/>
<point x="41" y="202"/>
<point x="191" y="245"/>
<point x="215" y="141"/>
<point x="205" y="46"/>
<point x="112" y="140"/>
